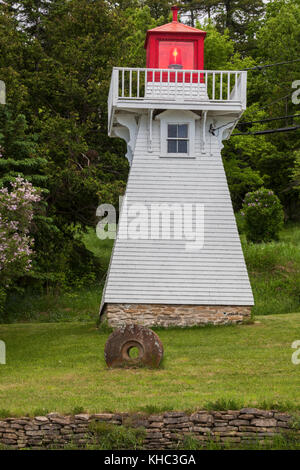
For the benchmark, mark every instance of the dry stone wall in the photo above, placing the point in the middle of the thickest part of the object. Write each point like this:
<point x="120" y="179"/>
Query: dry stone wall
<point x="163" y="431"/>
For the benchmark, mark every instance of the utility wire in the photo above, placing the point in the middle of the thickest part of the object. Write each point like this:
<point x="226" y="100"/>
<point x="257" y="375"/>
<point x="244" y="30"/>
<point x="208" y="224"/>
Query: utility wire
<point x="268" y="131"/>
<point x="269" y="119"/>
<point x="275" y="101"/>
<point x="260" y="67"/>
<point x="289" y="116"/>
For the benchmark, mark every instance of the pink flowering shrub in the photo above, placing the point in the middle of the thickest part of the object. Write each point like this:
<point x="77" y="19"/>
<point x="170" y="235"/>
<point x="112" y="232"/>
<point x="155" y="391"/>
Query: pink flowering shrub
<point x="263" y="215"/>
<point x="16" y="245"/>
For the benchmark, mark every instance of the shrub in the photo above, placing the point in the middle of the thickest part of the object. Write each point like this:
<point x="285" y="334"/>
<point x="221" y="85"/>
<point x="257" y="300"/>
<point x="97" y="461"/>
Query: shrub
<point x="16" y="245"/>
<point x="263" y="215"/>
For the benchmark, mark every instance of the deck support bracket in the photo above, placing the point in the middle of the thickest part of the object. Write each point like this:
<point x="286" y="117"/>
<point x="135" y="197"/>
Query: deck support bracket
<point x="203" y="132"/>
<point x="127" y="130"/>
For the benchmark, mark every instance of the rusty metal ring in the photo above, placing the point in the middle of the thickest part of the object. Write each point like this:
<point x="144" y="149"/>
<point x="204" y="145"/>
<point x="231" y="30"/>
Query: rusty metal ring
<point x="124" y="339"/>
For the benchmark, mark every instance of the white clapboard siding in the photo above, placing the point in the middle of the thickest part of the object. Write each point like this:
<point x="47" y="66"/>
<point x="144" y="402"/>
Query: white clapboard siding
<point x="161" y="270"/>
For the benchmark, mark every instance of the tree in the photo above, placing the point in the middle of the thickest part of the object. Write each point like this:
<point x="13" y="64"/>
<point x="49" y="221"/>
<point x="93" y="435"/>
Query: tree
<point x="19" y="154"/>
<point x="239" y="17"/>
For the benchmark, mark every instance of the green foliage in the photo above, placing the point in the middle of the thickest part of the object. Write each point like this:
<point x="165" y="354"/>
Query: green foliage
<point x="241" y="18"/>
<point x="218" y="48"/>
<point x="112" y="437"/>
<point x="223" y="404"/>
<point x="155" y="409"/>
<point x="296" y="171"/>
<point x="58" y="306"/>
<point x="4" y="413"/>
<point x="263" y="216"/>
<point x="274" y="271"/>
<point x="241" y="180"/>
<point x="56" y="61"/>
<point x="3" y="295"/>
<point x="77" y="410"/>
<point x="281" y="441"/>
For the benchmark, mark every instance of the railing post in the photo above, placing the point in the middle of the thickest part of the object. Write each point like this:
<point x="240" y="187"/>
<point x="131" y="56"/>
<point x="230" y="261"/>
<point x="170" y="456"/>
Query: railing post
<point x="228" y="86"/>
<point x="130" y="83"/>
<point x="115" y="90"/>
<point x="243" y="91"/>
<point x="123" y="83"/>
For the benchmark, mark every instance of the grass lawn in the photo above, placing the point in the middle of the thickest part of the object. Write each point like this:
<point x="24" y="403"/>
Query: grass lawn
<point x="274" y="272"/>
<point x="60" y="367"/>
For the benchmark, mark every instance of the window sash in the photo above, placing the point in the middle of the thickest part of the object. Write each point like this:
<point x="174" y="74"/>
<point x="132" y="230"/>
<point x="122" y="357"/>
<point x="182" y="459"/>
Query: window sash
<point x="178" y="138"/>
<point x="177" y="146"/>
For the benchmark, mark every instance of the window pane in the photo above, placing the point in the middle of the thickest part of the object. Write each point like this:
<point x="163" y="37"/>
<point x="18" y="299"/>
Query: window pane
<point x="172" y="130"/>
<point x="183" y="131"/>
<point x="182" y="146"/>
<point x="172" y="146"/>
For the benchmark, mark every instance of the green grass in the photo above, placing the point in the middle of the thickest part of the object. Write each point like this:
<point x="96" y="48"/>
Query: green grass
<point x="78" y="305"/>
<point x="60" y="367"/>
<point x="274" y="272"/>
<point x="100" y="248"/>
<point x="287" y="441"/>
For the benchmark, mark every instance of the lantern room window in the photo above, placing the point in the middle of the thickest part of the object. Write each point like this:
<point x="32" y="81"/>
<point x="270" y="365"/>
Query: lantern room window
<point x="177" y="138"/>
<point x="176" y="55"/>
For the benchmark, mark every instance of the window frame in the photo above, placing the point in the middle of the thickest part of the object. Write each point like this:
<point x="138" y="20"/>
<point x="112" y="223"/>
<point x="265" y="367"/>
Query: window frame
<point x="177" y="139"/>
<point x="177" y="117"/>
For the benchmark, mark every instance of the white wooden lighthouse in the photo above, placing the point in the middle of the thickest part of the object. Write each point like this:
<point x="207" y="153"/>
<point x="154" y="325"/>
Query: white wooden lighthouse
<point x="177" y="258"/>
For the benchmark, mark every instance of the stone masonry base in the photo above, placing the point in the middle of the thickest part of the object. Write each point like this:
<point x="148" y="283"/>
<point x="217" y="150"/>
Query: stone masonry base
<point x="174" y="315"/>
<point x="162" y="431"/>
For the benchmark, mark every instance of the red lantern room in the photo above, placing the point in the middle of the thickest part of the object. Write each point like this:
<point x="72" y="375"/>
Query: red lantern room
<point x="175" y="46"/>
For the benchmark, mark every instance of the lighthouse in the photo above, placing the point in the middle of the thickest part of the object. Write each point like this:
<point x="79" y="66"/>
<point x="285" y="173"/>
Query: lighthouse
<point x="177" y="258"/>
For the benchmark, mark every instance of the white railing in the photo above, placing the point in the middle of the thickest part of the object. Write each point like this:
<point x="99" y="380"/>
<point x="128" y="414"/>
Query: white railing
<point x="168" y="84"/>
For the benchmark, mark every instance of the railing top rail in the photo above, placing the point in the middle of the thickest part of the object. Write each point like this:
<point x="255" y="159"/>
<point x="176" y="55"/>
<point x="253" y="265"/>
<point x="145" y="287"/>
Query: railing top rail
<point x="144" y="69"/>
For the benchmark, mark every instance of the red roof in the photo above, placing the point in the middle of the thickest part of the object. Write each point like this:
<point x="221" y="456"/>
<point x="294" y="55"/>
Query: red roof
<point x="175" y="27"/>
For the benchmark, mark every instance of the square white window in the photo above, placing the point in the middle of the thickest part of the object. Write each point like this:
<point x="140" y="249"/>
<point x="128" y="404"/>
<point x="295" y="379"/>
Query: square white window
<point x="177" y="133"/>
<point x="178" y="139"/>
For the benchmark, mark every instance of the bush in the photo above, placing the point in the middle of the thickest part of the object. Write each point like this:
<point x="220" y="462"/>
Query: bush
<point x="263" y="215"/>
<point x="16" y="245"/>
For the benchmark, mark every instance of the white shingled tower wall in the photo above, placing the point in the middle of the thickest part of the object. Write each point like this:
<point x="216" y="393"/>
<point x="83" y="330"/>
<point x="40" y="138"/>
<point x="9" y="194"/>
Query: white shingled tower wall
<point x="154" y="280"/>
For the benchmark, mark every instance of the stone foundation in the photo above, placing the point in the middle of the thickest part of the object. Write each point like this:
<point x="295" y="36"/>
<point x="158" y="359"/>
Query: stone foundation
<point x="162" y="431"/>
<point x="174" y="315"/>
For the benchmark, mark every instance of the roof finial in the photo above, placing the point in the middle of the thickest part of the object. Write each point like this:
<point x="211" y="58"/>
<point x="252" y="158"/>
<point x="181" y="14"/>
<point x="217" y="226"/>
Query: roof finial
<point x="175" y="13"/>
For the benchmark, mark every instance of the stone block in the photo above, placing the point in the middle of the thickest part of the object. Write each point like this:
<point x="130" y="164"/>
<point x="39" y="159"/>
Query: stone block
<point x="266" y="423"/>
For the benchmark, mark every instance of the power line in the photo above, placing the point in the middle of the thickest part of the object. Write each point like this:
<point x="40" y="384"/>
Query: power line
<point x="268" y="131"/>
<point x="269" y="119"/>
<point x="248" y="123"/>
<point x="275" y="101"/>
<point x="260" y="67"/>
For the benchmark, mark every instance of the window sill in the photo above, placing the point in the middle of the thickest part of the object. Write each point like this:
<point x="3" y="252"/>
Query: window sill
<point x="177" y="155"/>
